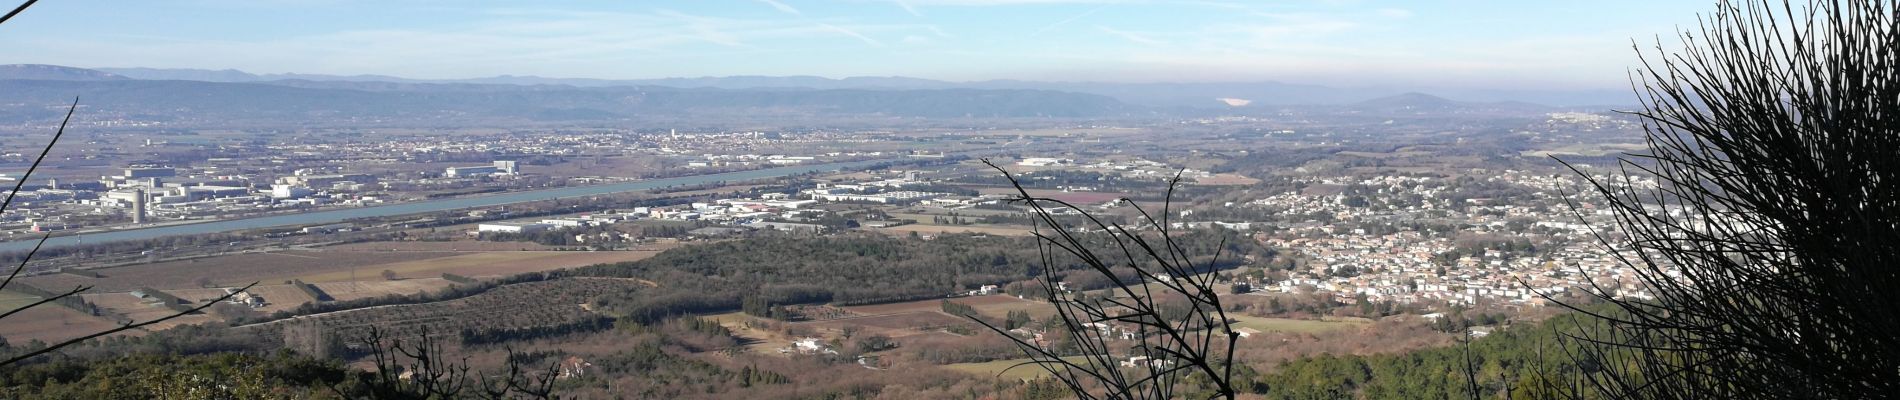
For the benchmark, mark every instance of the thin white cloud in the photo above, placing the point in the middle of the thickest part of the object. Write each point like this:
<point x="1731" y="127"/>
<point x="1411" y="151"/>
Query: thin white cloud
<point x="1131" y="36"/>
<point x="1066" y="21"/>
<point x="782" y="7"/>
<point x="907" y="8"/>
<point x="847" y="32"/>
<point x="1244" y="40"/>
<point x="978" y="3"/>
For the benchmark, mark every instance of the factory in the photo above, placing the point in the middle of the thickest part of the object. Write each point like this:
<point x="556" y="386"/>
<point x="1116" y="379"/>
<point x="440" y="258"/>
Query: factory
<point x="500" y="167"/>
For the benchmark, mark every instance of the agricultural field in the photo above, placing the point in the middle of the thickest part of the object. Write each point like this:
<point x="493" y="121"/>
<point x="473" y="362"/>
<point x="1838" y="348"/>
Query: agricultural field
<point x="999" y="306"/>
<point x="10" y="300"/>
<point x="1226" y="180"/>
<point x="344" y="290"/>
<point x="457" y="245"/>
<point x="475" y="264"/>
<point x="228" y="270"/>
<point x="925" y="316"/>
<point x="139" y="310"/>
<point x="376" y="287"/>
<point x="752" y="340"/>
<point x="516" y="306"/>
<point x="363" y="261"/>
<point x="277" y="297"/>
<point x="894" y="308"/>
<point x="1264" y="324"/>
<point x="51" y="323"/>
<point x="894" y="325"/>
<point x="895" y="320"/>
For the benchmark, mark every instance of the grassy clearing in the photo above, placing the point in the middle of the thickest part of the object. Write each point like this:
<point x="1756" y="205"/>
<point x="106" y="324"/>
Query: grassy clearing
<point x="758" y="341"/>
<point x="52" y="323"/>
<point x="435" y="265"/>
<point x="1003" y="368"/>
<point x="10" y="300"/>
<point x="1291" y="325"/>
<point x="1000" y="306"/>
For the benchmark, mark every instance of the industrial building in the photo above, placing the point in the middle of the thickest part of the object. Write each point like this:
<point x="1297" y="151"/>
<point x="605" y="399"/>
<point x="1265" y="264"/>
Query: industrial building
<point x="904" y="197"/>
<point x="512" y="227"/>
<point x="499" y="167"/>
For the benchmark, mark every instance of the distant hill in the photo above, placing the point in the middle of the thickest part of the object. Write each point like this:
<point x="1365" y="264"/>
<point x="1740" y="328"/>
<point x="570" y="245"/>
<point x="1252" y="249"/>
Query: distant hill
<point x="54" y="73"/>
<point x="1420" y="103"/>
<point x="236" y="76"/>
<point x="302" y="101"/>
<point x="1195" y="95"/>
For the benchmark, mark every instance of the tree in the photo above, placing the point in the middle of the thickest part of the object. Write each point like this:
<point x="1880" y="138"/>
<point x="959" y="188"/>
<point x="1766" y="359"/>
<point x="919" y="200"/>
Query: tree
<point x="1771" y="237"/>
<point x="421" y="369"/>
<point x="1191" y="345"/>
<point x="17" y="10"/>
<point x="389" y="275"/>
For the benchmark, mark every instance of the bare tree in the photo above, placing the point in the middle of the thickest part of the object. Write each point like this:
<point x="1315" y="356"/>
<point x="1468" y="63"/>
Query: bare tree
<point x="422" y="369"/>
<point x="1771" y="237"/>
<point x="17" y="10"/>
<point x="1132" y="322"/>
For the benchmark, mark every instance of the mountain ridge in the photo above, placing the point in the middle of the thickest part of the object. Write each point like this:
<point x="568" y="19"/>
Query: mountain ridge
<point x="1206" y="95"/>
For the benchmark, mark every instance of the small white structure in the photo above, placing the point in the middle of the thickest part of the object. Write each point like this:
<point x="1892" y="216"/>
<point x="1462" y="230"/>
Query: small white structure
<point x="464" y="172"/>
<point x="289" y="192"/>
<point x="1043" y="162"/>
<point x="512" y="227"/>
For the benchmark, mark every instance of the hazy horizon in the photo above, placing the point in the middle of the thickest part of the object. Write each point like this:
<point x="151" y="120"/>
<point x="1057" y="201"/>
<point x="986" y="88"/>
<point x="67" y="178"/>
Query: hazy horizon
<point x="1333" y="43"/>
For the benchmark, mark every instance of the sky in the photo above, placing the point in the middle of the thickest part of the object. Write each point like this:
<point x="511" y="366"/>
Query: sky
<point x="1506" y="44"/>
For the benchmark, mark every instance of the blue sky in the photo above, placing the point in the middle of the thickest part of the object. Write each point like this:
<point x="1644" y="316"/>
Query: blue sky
<point x="1473" y="44"/>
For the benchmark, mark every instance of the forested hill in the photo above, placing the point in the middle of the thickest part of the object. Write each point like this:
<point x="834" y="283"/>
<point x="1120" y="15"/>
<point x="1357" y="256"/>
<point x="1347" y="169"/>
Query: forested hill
<point x="842" y="270"/>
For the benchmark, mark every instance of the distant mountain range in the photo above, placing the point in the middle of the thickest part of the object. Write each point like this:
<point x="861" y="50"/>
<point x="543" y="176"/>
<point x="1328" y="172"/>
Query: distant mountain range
<point x="230" y="96"/>
<point x="30" y="89"/>
<point x="1202" y="95"/>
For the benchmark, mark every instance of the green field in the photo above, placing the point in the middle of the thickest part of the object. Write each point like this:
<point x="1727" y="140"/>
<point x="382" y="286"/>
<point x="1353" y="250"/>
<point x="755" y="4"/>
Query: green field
<point x="10" y="300"/>
<point x="1036" y="309"/>
<point x="1022" y="372"/>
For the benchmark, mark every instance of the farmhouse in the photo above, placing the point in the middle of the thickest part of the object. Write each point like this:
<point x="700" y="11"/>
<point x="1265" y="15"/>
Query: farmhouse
<point x="810" y="345"/>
